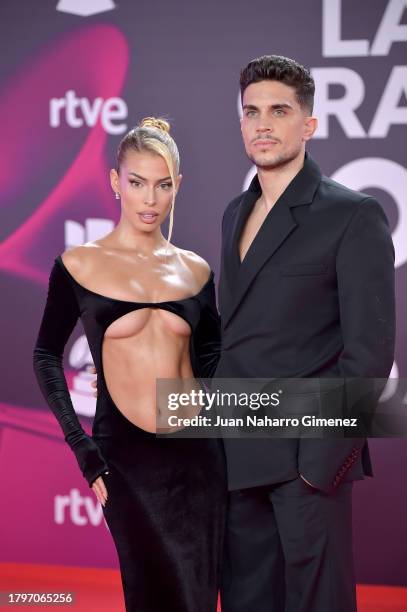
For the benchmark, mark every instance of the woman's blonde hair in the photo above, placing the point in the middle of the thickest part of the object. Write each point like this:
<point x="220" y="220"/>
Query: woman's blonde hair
<point x="153" y="134"/>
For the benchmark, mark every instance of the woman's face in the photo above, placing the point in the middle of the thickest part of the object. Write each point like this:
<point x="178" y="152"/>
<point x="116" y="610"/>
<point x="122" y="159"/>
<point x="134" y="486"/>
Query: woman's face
<point x="145" y="188"/>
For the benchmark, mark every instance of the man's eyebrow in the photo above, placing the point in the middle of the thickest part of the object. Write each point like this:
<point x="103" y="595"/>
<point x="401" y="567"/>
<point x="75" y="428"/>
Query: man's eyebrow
<point x="144" y="179"/>
<point x="282" y="105"/>
<point x="273" y="106"/>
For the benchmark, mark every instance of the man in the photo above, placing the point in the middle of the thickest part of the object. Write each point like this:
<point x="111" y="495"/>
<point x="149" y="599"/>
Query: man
<point x="306" y="290"/>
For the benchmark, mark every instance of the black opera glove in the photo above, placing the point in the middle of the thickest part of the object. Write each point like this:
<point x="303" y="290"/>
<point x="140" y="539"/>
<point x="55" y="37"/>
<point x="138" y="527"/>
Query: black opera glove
<point x="208" y="335"/>
<point x="59" y="319"/>
<point x="49" y="372"/>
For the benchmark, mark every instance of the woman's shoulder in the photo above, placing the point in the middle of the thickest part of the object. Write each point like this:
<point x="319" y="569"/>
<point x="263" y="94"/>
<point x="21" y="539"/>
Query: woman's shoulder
<point x="197" y="265"/>
<point x="80" y="260"/>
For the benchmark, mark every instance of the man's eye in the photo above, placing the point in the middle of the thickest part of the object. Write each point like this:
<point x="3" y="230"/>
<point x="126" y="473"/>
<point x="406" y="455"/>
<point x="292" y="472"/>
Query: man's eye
<point x="279" y="112"/>
<point x="250" y="113"/>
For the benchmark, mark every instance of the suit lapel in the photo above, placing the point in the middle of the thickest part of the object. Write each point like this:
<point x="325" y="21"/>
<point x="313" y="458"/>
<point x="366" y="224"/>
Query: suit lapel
<point x="230" y="264"/>
<point x="275" y="229"/>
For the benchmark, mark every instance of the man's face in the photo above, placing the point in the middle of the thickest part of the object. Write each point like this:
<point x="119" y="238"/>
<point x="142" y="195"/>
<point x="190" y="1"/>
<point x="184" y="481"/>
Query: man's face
<point x="274" y="126"/>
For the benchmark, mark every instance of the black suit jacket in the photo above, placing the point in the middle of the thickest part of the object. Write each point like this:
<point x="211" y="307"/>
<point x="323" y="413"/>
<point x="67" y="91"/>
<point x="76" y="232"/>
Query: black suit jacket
<point x="314" y="297"/>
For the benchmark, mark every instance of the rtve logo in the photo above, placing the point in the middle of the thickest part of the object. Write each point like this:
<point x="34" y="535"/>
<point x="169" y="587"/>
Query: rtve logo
<point x="81" y="510"/>
<point x="85" y="9"/>
<point x="80" y="111"/>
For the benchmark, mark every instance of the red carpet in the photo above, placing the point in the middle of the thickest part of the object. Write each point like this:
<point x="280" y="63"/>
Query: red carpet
<point x="99" y="590"/>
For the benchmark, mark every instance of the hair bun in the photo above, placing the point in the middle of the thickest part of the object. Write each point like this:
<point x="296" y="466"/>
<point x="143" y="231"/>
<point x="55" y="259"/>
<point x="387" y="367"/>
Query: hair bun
<point x="154" y="122"/>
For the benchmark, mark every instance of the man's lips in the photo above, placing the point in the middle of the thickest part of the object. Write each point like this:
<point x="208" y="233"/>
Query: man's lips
<point x="265" y="142"/>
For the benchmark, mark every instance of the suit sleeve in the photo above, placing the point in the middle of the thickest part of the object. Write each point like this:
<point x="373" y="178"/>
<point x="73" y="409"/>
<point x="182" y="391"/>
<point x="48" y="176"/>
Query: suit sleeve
<point x="59" y="319"/>
<point x="207" y="339"/>
<point x="366" y="294"/>
<point x="365" y="272"/>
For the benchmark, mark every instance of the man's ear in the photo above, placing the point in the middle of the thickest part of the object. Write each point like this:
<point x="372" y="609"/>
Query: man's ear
<point x="310" y="126"/>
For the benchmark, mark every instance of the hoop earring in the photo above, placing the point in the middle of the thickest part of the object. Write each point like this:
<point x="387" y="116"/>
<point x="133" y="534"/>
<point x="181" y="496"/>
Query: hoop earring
<point x="117" y="196"/>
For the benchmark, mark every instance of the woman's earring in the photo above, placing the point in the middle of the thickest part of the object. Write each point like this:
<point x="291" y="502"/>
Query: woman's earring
<point x="117" y="196"/>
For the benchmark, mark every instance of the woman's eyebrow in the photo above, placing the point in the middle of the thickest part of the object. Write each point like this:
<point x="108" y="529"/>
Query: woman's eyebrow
<point x="144" y="179"/>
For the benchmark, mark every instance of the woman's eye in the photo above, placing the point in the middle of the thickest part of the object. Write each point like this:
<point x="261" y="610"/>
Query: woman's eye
<point x="166" y="186"/>
<point x="135" y="183"/>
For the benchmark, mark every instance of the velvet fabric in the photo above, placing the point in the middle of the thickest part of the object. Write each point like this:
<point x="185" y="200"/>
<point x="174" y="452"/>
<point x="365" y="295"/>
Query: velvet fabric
<point x="166" y="496"/>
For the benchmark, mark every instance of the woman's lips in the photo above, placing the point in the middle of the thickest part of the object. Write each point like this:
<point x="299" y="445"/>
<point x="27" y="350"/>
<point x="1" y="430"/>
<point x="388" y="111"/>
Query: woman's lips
<point x="149" y="217"/>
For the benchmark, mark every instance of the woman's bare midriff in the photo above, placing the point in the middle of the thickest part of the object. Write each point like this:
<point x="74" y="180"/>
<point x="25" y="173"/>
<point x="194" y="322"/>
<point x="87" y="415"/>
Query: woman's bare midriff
<point x="147" y="343"/>
<point x="138" y="348"/>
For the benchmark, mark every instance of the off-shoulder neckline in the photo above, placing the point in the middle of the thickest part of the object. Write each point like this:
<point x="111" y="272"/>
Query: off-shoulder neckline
<point x="112" y="299"/>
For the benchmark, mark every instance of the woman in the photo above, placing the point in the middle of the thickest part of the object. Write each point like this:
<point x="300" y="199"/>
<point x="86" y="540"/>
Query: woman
<point x="148" y="310"/>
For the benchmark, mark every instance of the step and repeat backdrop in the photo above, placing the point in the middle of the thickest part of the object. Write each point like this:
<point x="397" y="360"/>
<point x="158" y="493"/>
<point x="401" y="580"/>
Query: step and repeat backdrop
<point x="74" y="77"/>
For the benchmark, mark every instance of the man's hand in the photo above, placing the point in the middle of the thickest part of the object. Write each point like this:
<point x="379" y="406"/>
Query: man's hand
<point x="308" y="483"/>
<point x="94" y="383"/>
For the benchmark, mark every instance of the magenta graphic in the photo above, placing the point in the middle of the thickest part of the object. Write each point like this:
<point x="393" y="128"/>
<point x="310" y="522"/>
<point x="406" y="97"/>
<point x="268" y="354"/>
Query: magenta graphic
<point x="70" y="164"/>
<point x="54" y="171"/>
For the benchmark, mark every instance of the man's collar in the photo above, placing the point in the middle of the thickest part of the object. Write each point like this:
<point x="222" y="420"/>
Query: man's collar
<point x="301" y="189"/>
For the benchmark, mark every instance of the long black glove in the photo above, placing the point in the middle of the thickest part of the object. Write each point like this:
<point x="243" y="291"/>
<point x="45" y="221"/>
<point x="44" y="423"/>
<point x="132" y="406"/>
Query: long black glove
<point x="59" y="319"/>
<point x="207" y="337"/>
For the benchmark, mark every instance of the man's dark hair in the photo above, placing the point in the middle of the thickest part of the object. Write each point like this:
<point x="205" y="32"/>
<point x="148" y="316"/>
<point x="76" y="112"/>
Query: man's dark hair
<point x="285" y="70"/>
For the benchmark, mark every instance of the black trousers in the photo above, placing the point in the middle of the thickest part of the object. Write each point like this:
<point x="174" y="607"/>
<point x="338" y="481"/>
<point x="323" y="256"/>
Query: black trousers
<point x="288" y="548"/>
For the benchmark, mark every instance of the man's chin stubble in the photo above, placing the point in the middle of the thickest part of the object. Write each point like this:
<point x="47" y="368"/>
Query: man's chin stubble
<point x="272" y="164"/>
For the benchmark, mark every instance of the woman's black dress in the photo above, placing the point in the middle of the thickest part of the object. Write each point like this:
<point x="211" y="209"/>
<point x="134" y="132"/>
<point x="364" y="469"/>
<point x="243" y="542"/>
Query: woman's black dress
<point x="166" y="495"/>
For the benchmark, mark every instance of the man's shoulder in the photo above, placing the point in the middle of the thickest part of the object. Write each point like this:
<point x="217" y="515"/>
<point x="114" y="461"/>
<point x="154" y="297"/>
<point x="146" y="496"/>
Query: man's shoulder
<point x="334" y="193"/>
<point x="236" y="201"/>
<point x="233" y="204"/>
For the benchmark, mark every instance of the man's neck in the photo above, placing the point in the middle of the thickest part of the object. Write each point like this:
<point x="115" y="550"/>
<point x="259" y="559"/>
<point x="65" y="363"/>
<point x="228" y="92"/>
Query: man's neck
<point x="274" y="181"/>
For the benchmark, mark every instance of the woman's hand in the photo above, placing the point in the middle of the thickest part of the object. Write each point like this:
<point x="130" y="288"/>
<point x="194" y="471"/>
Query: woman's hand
<point x="94" y="383"/>
<point x="98" y="485"/>
<point x="100" y="490"/>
